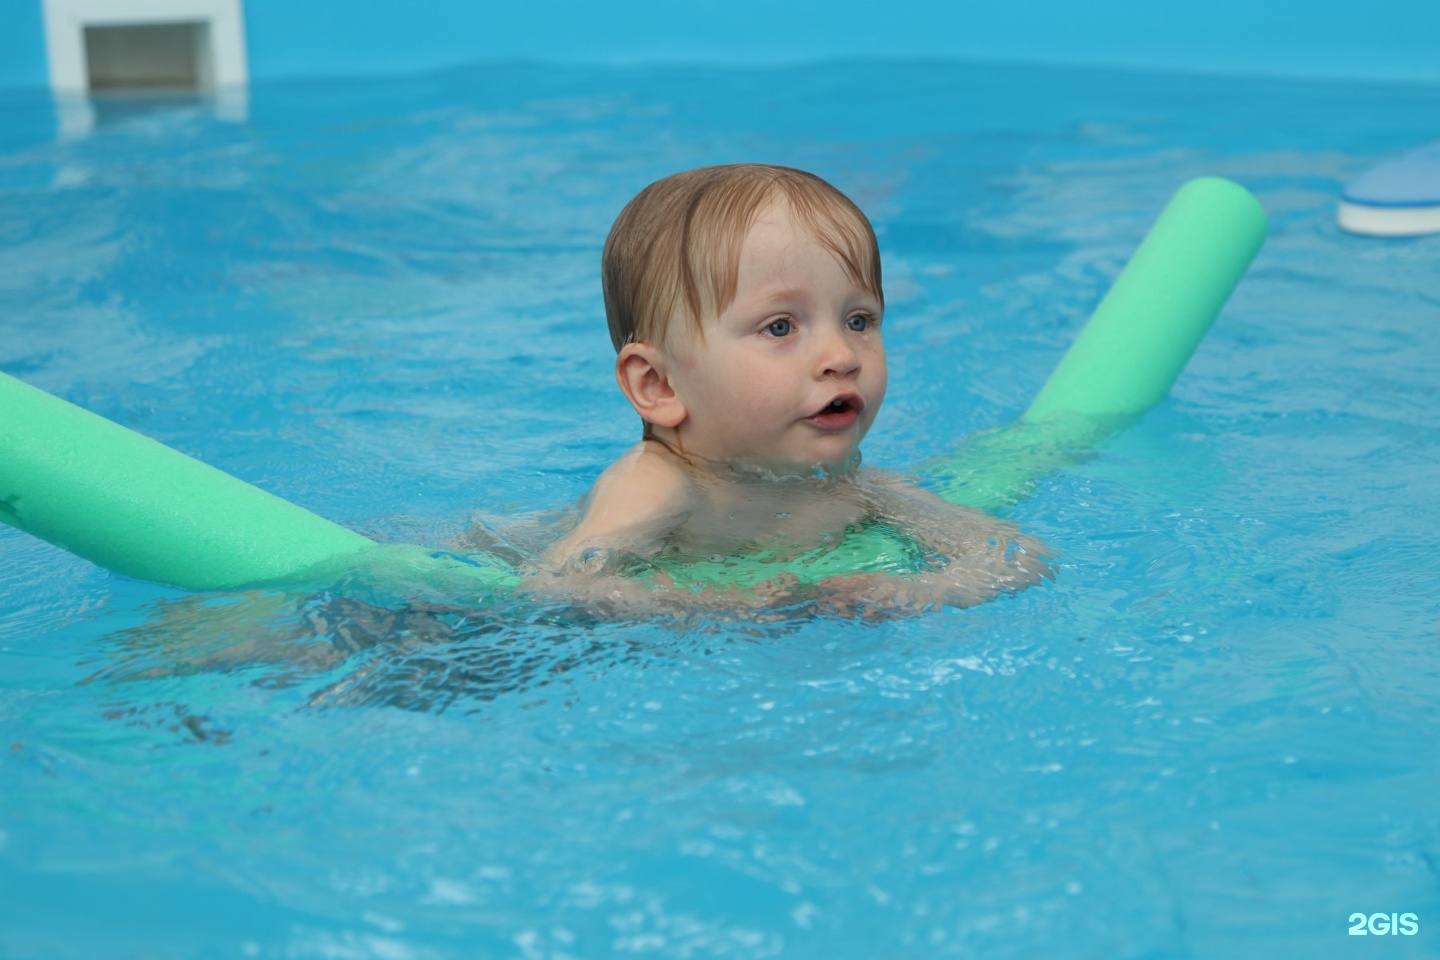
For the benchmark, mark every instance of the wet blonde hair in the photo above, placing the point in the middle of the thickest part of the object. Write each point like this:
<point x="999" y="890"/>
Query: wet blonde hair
<point x="673" y="254"/>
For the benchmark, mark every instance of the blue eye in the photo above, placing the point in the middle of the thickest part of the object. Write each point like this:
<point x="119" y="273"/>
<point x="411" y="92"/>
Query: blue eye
<point x="780" y="328"/>
<point x="860" y="322"/>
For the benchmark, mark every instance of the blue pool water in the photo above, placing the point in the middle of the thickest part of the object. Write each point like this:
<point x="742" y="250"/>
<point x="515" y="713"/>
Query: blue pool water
<point x="1213" y="735"/>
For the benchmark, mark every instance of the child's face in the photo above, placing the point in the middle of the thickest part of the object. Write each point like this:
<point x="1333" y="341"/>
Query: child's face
<point x="792" y="374"/>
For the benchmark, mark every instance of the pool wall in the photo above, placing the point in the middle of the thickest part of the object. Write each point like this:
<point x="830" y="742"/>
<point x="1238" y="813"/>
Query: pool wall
<point x="1378" y="39"/>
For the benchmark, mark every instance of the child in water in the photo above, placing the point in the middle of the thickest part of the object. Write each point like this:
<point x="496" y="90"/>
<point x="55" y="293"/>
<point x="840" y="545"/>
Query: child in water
<point x="746" y="309"/>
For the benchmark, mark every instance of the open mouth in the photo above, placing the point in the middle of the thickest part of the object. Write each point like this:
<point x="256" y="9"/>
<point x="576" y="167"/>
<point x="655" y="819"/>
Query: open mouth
<point x="839" y="413"/>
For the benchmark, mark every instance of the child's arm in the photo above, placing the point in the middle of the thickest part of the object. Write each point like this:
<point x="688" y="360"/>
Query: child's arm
<point x="970" y="537"/>
<point x="642" y="498"/>
<point x="984" y="556"/>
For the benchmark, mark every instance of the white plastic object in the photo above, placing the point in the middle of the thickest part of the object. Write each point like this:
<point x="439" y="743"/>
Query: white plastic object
<point x="1397" y="198"/>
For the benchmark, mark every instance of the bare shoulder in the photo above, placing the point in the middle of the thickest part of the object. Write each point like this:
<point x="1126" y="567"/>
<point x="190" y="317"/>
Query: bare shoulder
<point x="645" y="481"/>
<point x="637" y="500"/>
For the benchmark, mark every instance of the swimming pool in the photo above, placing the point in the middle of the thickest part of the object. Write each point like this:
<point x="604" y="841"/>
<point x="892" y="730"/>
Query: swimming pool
<point x="1212" y="735"/>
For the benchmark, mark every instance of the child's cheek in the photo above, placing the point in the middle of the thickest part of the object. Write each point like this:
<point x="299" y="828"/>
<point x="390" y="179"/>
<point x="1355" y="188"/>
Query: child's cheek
<point x="689" y="361"/>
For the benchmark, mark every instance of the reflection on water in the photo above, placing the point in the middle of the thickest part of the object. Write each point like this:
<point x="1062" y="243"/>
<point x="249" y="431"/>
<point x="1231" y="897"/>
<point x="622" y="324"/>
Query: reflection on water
<point x="348" y="652"/>
<point x="412" y="654"/>
<point x="77" y="115"/>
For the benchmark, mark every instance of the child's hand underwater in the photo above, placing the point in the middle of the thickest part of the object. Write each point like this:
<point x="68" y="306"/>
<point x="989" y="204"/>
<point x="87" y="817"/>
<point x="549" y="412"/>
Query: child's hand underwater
<point x="882" y="596"/>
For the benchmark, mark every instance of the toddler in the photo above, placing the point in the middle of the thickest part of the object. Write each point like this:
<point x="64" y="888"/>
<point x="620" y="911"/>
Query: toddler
<point x="746" y="309"/>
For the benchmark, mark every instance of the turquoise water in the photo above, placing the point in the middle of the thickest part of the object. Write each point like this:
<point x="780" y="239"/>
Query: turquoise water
<point x="1213" y="735"/>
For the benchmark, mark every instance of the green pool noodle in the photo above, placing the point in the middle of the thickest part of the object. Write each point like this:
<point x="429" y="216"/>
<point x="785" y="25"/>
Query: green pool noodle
<point x="139" y="508"/>
<point x="1130" y="352"/>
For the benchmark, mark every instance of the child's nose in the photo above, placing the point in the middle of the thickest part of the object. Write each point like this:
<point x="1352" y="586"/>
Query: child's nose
<point x="837" y="355"/>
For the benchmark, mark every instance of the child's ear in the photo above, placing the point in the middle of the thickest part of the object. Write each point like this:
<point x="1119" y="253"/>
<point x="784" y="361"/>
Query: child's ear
<point x="643" y="375"/>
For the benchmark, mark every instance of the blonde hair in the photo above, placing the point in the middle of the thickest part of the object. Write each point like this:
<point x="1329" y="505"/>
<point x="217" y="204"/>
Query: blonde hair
<point x="673" y="254"/>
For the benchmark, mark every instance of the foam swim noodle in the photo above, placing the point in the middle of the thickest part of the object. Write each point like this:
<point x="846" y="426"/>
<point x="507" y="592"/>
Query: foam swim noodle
<point x="137" y="507"/>
<point x="1131" y="350"/>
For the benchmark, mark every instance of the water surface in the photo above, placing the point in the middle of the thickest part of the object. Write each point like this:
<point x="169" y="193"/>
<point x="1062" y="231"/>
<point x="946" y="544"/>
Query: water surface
<point x="1212" y="735"/>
